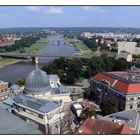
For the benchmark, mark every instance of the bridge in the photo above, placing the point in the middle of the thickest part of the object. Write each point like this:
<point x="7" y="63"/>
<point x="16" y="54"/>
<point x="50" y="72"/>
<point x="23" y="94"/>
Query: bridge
<point x="58" y="42"/>
<point x="32" y="56"/>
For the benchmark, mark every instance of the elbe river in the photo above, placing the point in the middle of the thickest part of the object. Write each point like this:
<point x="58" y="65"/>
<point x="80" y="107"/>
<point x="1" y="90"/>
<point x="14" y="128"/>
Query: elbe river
<point x="56" y="45"/>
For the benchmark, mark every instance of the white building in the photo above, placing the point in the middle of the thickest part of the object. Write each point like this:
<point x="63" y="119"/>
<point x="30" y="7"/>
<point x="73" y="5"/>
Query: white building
<point x="87" y="34"/>
<point x="128" y="47"/>
<point x="77" y="109"/>
<point x="54" y="81"/>
<point x="127" y="56"/>
<point x="136" y="36"/>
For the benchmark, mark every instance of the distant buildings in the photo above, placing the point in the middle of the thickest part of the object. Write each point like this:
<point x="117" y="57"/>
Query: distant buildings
<point x="8" y="40"/>
<point x="124" y="86"/>
<point x="87" y="35"/>
<point x="108" y="35"/>
<point x="4" y="90"/>
<point x="102" y="127"/>
<point x="136" y="36"/>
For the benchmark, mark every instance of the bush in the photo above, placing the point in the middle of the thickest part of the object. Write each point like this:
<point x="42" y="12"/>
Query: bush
<point x="109" y="106"/>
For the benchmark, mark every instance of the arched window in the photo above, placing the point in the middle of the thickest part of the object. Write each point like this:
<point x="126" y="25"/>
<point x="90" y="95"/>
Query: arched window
<point x="131" y="106"/>
<point x="138" y="106"/>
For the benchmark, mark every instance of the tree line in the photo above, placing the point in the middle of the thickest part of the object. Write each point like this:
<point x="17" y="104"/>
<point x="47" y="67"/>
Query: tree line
<point x="25" y="42"/>
<point x="69" y="70"/>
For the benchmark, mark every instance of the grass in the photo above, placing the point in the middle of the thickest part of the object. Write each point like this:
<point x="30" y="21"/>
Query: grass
<point x="5" y="61"/>
<point x="80" y="46"/>
<point x="37" y="46"/>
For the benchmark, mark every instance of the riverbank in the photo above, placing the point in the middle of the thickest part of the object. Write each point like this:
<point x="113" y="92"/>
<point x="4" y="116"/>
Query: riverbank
<point x="40" y="44"/>
<point x="12" y="73"/>
<point x="7" y="61"/>
<point x="79" y="46"/>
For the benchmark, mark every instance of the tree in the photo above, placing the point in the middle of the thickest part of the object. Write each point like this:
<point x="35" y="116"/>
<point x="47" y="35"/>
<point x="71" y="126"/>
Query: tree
<point x="109" y="106"/>
<point x="67" y="69"/>
<point x="97" y="65"/>
<point x="87" y="113"/>
<point x="121" y="65"/>
<point x="88" y="94"/>
<point x="21" y="82"/>
<point x="109" y="62"/>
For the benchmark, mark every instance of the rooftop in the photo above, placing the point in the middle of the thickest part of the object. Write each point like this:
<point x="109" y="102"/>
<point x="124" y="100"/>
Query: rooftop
<point x="11" y="124"/>
<point x="37" y="82"/>
<point x="60" y="90"/>
<point x="3" y="82"/>
<point x="43" y="106"/>
<point x="98" y="126"/>
<point x="125" y="81"/>
<point x="53" y="77"/>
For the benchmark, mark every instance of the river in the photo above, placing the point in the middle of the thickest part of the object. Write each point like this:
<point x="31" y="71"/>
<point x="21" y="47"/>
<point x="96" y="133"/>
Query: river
<point x="56" y="45"/>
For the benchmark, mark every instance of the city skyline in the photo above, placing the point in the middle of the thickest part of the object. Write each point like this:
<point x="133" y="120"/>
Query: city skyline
<point x="69" y="16"/>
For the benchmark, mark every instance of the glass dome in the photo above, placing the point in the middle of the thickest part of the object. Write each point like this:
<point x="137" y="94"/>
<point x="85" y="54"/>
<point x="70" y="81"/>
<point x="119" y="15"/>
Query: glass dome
<point x="37" y="82"/>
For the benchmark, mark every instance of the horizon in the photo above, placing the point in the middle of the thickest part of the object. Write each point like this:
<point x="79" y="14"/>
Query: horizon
<point x="69" y="27"/>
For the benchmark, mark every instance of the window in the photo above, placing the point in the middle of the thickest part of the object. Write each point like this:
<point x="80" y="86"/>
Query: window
<point x="131" y="99"/>
<point x="138" y="106"/>
<point x="138" y="98"/>
<point x="40" y="116"/>
<point x="24" y="109"/>
<point x="131" y="106"/>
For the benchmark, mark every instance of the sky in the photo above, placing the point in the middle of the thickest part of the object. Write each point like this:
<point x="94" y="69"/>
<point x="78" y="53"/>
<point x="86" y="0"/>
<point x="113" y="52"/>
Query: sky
<point x="69" y="16"/>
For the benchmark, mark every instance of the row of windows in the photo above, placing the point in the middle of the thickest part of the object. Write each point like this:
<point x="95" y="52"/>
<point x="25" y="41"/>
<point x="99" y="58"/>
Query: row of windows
<point x="131" y="106"/>
<point x="132" y="99"/>
<point x="40" y="116"/>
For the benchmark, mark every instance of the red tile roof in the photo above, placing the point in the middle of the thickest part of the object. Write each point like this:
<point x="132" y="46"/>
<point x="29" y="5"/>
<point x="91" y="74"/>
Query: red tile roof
<point x="118" y="84"/>
<point x="97" y="126"/>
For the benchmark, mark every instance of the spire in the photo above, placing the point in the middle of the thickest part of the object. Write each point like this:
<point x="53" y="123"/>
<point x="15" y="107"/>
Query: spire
<point x="36" y="62"/>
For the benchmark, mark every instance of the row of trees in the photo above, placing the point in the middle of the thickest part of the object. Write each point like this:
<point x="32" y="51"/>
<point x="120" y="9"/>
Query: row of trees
<point x="90" y="43"/>
<point x="25" y="41"/>
<point x="69" y="70"/>
<point x="21" y="44"/>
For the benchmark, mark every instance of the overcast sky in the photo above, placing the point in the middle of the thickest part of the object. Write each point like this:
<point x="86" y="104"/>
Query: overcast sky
<point x="69" y="16"/>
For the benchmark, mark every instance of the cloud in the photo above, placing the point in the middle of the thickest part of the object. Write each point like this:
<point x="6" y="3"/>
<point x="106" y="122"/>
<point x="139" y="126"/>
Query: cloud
<point x="94" y="8"/>
<point x="55" y="10"/>
<point x="34" y="8"/>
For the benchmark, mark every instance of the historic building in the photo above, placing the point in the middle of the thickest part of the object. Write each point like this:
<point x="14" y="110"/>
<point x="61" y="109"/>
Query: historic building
<point x="42" y="105"/>
<point x="124" y="86"/>
<point x="4" y="90"/>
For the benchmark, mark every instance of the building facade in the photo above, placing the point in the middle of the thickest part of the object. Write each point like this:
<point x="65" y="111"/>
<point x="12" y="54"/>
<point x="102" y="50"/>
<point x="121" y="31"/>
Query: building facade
<point x="124" y="86"/>
<point x="127" y="56"/>
<point x="128" y="47"/>
<point x="4" y="90"/>
<point x="40" y="105"/>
